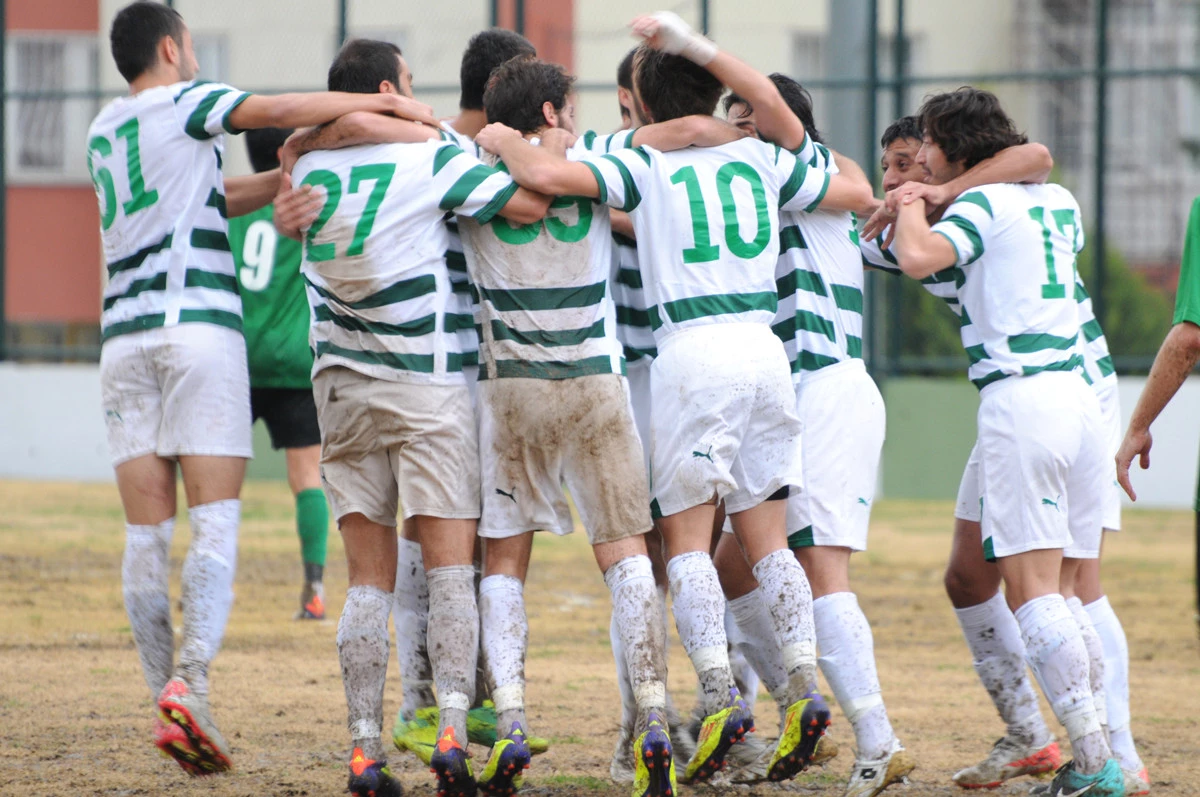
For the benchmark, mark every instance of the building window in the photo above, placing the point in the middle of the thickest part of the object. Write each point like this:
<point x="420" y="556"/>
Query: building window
<point x="47" y="123"/>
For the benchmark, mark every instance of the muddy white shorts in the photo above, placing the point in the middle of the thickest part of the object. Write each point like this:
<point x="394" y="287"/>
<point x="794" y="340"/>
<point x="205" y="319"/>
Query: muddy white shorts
<point x="1043" y="465"/>
<point x="1110" y="420"/>
<point x="842" y="423"/>
<point x="537" y="435"/>
<point x="174" y="391"/>
<point x="637" y="375"/>
<point x="386" y="445"/>
<point x="724" y="419"/>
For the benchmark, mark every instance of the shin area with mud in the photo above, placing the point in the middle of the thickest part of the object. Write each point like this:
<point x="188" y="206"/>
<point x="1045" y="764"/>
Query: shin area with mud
<point x="76" y="716"/>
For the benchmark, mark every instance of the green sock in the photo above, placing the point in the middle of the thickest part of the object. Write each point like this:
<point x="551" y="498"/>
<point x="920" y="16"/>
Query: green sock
<point x="312" y="522"/>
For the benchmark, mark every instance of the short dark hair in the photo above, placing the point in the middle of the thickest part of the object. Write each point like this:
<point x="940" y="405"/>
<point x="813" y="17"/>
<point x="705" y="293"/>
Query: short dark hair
<point x="904" y="127"/>
<point x="362" y="64"/>
<point x="485" y="51"/>
<point x="262" y="145"/>
<point x="518" y="88"/>
<point x="968" y="125"/>
<point x="625" y="70"/>
<point x="671" y="86"/>
<point x="136" y="31"/>
<point x="796" y="96"/>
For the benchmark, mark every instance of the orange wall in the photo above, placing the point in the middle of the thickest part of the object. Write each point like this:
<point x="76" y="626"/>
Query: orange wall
<point x="548" y="24"/>
<point x="53" y="254"/>
<point x="53" y="15"/>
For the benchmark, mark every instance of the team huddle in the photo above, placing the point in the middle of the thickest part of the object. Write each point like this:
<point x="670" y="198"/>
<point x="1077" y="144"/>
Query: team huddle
<point x="667" y="321"/>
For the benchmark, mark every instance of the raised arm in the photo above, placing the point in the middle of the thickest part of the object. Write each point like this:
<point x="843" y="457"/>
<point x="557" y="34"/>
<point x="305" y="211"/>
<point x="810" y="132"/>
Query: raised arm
<point x="307" y="110"/>
<point x="534" y="168"/>
<point x="919" y="250"/>
<point x="248" y="193"/>
<point x="353" y="129"/>
<point x="687" y="131"/>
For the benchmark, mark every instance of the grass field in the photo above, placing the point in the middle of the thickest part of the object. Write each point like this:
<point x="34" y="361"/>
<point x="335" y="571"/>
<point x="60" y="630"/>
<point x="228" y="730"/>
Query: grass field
<point x="75" y="715"/>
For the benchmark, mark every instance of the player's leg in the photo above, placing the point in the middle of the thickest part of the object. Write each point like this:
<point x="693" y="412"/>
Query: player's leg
<point x="312" y="526"/>
<point x="410" y="616"/>
<point x="1091" y="640"/>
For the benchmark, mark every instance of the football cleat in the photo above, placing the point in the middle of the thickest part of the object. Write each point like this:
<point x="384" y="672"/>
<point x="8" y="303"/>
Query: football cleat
<point x="371" y="778"/>
<point x="449" y="762"/>
<point x="718" y="732"/>
<point x="173" y="743"/>
<point x="1009" y="758"/>
<point x="1108" y="782"/>
<point x="805" y="722"/>
<point x="510" y="757"/>
<point x="180" y="706"/>
<point x="869" y="778"/>
<point x="1137" y="783"/>
<point x="312" y="601"/>
<point x="654" y="761"/>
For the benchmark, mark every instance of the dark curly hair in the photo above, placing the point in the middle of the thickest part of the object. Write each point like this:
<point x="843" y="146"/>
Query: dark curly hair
<point x="796" y="97"/>
<point x="485" y="51"/>
<point x="904" y="127"/>
<point x="671" y="86"/>
<point x="518" y="88"/>
<point x="968" y="125"/>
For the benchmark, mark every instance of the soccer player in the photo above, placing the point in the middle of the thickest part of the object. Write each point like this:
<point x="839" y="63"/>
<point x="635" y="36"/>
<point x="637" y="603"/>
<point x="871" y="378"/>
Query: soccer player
<point x="819" y="279"/>
<point x="173" y="376"/>
<point x="397" y="425"/>
<point x="720" y="381"/>
<point x="275" y="323"/>
<point x="972" y="582"/>
<point x="1041" y="451"/>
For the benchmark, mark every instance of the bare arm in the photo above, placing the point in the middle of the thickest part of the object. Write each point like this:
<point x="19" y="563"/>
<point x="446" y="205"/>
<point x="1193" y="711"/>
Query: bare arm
<point x="295" y="209"/>
<point x="622" y="224"/>
<point x="352" y="130"/>
<point x="307" y="110"/>
<point x="847" y="192"/>
<point x="534" y="168"/>
<point x="850" y="169"/>
<point x="919" y="249"/>
<point x="249" y="193"/>
<point x="687" y="131"/>
<point x="1175" y="360"/>
<point x="525" y="206"/>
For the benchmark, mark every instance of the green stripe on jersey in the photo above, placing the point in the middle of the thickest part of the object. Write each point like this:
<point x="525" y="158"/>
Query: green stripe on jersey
<point x="630" y="278"/>
<point x="977" y="198"/>
<point x="977" y="354"/>
<point x="532" y="299"/>
<point x="553" y="369"/>
<point x="811" y="361"/>
<point x="217" y="200"/>
<point x="409" y="329"/>
<point x="632" y="317"/>
<point x="156" y="283"/>
<point x="196" y="278"/>
<point x="683" y="310"/>
<point x="848" y="298"/>
<point x="547" y="337"/>
<point x="222" y="318"/>
<point x="794" y="181"/>
<point x="968" y="229"/>
<point x="396" y="292"/>
<point x="1069" y="364"/>
<point x="1029" y="343"/>
<point x="811" y="322"/>
<point x="1081" y="292"/>
<point x="632" y="197"/>
<point x="497" y="204"/>
<point x="622" y="240"/>
<point x="791" y="238"/>
<point x="464" y="185"/>
<point x="854" y="347"/>
<point x="455" y="322"/>
<point x="194" y="126"/>
<point x="195" y="85"/>
<point x="1105" y="364"/>
<point x="444" y="156"/>
<point x="139" y="257"/>
<point x="1091" y="330"/>
<point x="138" y="324"/>
<point x="456" y="261"/>
<point x="215" y="240"/>
<point x="420" y="363"/>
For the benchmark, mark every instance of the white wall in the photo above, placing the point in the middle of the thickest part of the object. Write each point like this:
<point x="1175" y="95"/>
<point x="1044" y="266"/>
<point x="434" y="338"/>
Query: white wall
<point x="1174" y="458"/>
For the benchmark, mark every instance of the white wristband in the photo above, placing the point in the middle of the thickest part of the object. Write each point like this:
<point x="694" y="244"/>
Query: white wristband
<point x="699" y="50"/>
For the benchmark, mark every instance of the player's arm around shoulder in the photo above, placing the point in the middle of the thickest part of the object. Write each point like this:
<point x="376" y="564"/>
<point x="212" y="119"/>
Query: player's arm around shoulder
<point x="307" y="110"/>
<point x="920" y="250"/>
<point x="535" y="168"/>
<point x="686" y="131"/>
<point x="247" y="193"/>
<point x="356" y="129"/>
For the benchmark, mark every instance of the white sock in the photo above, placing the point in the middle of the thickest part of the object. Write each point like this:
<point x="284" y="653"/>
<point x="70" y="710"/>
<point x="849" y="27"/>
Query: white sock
<point x="745" y="677"/>
<point x="144" y="571"/>
<point x="699" y="607"/>
<point x="788" y="597"/>
<point x="995" y="641"/>
<point x="759" y="645"/>
<point x="410" y="616"/>
<point x="1116" y="681"/>
<point x="1059" y="659"/>
<point x="1095" y="651"/>
<point x="636" y="608"/>
<point x="848" y="661"/>
<point x="628" y="702"/>
<point x="505" y="639"/>
<point x="453" y="640"/>
<point x="208" y="572"/>
<point x="362" y="641"/>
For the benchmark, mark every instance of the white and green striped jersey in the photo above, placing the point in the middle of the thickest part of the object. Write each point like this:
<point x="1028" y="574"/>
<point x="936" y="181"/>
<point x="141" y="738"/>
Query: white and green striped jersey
<point x="819" y="280"/>
<point x="542" y="288"/>
<point x="627" y="288"/>
<point x="1016" y="247"/>
<point x="375" y="258"/>
<point x="463" y="317"/>
<point x="155" y="160"/>
<point x="1097" y="361"/>
<point x="943" y="284"/>
<point x="707" y="224"/>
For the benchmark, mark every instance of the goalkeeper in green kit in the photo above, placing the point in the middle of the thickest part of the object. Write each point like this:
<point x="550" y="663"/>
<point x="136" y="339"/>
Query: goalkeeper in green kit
<point x="276" y="322"/>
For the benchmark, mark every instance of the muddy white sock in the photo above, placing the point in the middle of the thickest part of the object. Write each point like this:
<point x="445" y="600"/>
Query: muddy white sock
<point x="1116" y="681"/>
<point x="995" y="641"/>
<point x="362" y="641"/>
<point x="453" y="643"/>
<point x="410" y="616"/>
<point x="788" y="597"/>
<point x="208" y="572"/>
<point x="505" y="641"/>
<point x="1059" y="659"/>
<point x="848" y="661"/>
<point x="636" y="608"/>
<point x="144" y="571"/>
<point x="758" y="644"/>
<point x="1095" y="651"/>
<point x="699" y="609"/>
<point x="628" y="702"/>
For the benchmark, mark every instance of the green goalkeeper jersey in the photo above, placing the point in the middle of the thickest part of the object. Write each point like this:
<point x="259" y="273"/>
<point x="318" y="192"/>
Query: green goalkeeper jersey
<point x="274" y="307"/>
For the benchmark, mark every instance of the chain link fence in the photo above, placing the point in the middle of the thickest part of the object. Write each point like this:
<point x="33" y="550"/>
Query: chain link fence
<point x="1112" y="87"/>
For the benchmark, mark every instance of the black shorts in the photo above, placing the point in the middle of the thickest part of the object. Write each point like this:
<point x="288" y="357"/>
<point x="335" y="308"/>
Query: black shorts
<point x="290" y="415"/>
